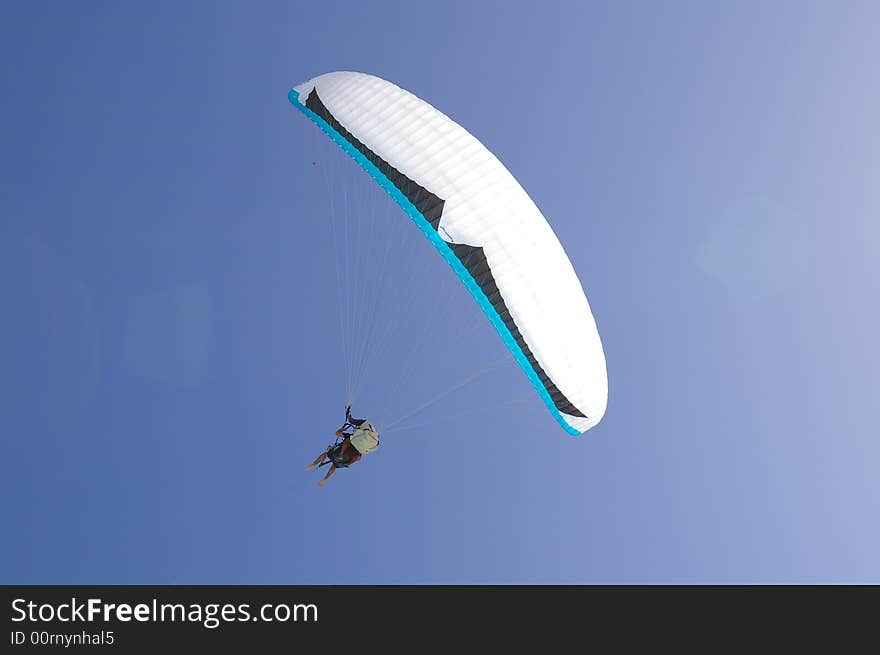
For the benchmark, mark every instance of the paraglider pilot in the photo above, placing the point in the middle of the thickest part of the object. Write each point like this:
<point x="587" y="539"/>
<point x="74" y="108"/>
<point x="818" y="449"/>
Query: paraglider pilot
<point x="355" y="438"/>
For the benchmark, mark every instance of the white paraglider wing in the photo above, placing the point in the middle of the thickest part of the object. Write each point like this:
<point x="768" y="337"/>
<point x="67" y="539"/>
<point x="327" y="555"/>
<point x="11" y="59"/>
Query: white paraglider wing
<point x="484" y="225"/>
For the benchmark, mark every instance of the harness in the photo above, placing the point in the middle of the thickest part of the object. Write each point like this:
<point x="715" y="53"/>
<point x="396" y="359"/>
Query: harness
<point x="334" y="454"/>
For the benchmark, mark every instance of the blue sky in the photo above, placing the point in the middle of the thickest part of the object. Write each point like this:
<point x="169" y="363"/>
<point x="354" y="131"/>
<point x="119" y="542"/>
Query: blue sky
<point x="170" y="359"/>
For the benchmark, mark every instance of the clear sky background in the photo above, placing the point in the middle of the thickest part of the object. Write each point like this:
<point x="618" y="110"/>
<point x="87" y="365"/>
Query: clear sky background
<point x="169" y="354"/>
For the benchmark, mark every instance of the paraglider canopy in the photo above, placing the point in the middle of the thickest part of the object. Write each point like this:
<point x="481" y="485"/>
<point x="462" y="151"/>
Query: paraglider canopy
<point x="482" y="223"/>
